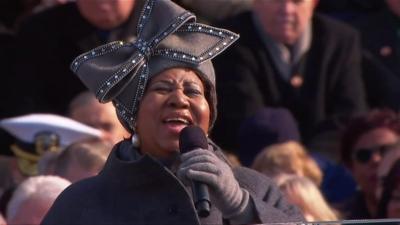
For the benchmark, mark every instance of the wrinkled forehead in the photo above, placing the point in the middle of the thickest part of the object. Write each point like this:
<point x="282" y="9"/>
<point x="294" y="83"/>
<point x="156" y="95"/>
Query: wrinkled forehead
<point x="280" y="3"/>
<point x="204" y="71"/>
<point x="178" y="75"/>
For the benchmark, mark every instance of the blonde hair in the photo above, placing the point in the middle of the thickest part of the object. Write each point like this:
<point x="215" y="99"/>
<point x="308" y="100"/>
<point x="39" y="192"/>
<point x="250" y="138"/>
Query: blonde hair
<point x="303" y="193"/>
<point x="232" y="158"/>
<point x="289" y="157"/>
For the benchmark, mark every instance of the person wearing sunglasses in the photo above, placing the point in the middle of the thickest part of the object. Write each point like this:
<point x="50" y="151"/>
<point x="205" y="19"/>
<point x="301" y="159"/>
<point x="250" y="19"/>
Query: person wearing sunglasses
<point x="365" y="141"/>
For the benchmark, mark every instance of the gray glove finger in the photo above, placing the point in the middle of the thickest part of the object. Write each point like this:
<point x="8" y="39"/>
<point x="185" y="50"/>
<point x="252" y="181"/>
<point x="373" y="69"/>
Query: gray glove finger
<point x="204" y="167"/>
<point x="195" y="153"/>
<point x="197" y="159"/>
<point x="208" y="178"/>
<point x="200" y="166"/>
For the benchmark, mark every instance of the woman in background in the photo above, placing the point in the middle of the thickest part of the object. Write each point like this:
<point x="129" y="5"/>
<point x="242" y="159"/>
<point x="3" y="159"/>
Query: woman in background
<point x="288" y="158"/>
<point x="303" y="193"/>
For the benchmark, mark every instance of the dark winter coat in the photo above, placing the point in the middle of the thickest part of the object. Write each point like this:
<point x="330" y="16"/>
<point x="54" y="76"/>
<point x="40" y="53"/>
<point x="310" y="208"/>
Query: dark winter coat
<point x="381" y="61"/>
<point x="143" y="191"/>
<point x="47" y="43"/>
<point x="248" y="80"/>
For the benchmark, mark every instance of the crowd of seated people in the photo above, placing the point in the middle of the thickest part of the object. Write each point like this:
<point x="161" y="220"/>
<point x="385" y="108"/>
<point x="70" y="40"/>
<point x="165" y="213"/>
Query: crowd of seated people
<point x="365" y="142"/>
<point x="309" y="82"/>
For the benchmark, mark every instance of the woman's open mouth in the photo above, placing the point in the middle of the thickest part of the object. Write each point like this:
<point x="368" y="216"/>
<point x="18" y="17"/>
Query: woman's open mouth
<point x="176" y="124"/>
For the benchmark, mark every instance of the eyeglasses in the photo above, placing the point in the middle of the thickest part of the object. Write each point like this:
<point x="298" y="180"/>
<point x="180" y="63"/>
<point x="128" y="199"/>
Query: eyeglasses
<point x="364" y="155"/>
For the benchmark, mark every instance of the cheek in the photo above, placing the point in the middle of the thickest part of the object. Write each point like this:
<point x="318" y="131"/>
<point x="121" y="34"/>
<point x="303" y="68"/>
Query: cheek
<point x="359" y="171"/>
<point x="366" y="177"/>
<point x="304" y="15"/>
<point x="148" y="109"/>
<point x="202" y="114"/>
<point x="123" y="8"/>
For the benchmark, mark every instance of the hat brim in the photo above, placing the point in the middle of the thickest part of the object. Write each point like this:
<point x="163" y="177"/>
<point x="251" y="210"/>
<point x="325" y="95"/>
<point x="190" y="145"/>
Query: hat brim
<point x="26" y="127"/>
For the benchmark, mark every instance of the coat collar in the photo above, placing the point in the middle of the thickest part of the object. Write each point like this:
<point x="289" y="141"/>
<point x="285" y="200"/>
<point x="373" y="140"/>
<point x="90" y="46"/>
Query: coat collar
<point x="126" y="166"/>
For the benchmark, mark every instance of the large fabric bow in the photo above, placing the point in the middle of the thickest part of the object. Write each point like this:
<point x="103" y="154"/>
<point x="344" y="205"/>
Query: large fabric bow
<point x="119" y="71"/>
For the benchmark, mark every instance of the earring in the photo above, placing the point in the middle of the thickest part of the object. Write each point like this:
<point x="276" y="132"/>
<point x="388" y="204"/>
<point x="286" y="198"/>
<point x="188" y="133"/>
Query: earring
<point x="135" y="141"/>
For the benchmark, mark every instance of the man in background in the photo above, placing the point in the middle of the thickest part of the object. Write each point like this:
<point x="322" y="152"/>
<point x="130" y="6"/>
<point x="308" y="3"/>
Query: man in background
<point x="48" y="42"/>
<point x="381" y="64"/>
<point x="289" y="57"/>
<point x="85" y="108"/>
<point x="82" y="159"/>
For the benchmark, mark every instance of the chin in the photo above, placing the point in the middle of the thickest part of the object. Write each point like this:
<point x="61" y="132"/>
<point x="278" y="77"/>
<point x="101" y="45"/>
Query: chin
<point x="169" y="155"/>
<point x="289" y="40"/>
<point x="107" y="24"/>
<point x="171" y="150"/>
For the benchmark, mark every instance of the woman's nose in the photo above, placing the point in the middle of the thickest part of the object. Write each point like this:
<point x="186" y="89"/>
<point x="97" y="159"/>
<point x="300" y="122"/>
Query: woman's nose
<point x="288" y="6"/>
<point x="376" y="158"/>
<point x="178" y="99"/>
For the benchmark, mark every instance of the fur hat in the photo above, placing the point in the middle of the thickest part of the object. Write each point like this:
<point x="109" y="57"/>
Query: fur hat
<point x="167" y="37"/>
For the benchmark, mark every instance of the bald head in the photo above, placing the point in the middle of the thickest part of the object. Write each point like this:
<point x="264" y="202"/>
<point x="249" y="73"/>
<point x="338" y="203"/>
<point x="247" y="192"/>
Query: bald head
<point x="394" y="6"/>
<point x="106" y="14"/>
<point x="284" y="20"/>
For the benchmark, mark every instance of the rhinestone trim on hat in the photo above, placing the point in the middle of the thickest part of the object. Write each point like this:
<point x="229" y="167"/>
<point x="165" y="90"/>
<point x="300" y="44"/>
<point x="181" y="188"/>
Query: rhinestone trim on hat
<point x="99" y="51"/>
<point x="143" y="49"/>
<point x="128" y="114"/>
<point x="226" y="39"/>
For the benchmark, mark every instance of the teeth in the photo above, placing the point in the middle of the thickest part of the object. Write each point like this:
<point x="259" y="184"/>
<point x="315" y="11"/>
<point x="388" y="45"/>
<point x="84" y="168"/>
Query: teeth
<point x="179" y="120"/>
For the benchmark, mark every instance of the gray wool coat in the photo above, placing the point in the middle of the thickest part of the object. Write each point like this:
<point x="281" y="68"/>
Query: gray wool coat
<point x="136" y="189"/>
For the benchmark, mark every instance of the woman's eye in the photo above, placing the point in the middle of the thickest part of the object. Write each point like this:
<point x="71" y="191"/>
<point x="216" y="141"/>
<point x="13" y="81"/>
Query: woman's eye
<point x="193" y="92"/>
<point x="161" y="89"/>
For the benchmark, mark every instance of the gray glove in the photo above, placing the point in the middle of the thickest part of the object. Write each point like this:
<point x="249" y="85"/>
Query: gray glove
<point x="204" y="166"/>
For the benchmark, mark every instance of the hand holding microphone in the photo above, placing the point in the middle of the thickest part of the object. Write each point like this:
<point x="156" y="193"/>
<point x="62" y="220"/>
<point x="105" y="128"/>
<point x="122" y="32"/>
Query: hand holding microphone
<point x="204" y="166"/>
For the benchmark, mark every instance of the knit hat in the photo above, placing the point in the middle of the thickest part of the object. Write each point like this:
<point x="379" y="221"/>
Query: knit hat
<point x="266" y="127"/>
<point x="167" y="37"/>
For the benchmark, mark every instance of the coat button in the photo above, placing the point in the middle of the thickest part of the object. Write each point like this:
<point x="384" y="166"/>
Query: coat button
<point x="173" y="210"/>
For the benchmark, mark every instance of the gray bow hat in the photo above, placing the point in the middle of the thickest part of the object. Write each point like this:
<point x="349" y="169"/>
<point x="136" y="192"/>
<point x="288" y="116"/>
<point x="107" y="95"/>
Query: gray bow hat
<point x="167" y="37"/>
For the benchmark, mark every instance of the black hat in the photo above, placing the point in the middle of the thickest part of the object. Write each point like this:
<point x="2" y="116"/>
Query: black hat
<point x="266" y="127"/>
<point x="167" y="37"/>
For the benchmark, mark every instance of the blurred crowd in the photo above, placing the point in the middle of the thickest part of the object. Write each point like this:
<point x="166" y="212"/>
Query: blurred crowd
<point x="308" y="96"/>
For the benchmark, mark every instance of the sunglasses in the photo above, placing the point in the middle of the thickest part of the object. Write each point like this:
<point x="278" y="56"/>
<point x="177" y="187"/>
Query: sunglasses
<point x="364" y="155"/>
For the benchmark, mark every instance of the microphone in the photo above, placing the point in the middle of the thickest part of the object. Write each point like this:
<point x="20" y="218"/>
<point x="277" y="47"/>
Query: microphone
<point x="192" y="137"/>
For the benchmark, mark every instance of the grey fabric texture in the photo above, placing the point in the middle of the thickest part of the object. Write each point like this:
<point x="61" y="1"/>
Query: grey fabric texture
<point x="167" y="37"/>
<point x="204" y="166"/>
<point x="138" y="189"/>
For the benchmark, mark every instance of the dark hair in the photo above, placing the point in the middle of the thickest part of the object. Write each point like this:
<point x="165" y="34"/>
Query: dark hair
<point x="361" y="124"/>
<point x="390" y="182"/>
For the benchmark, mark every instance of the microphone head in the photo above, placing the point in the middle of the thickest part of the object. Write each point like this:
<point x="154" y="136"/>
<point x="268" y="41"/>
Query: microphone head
<point x="192" y="137"/>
